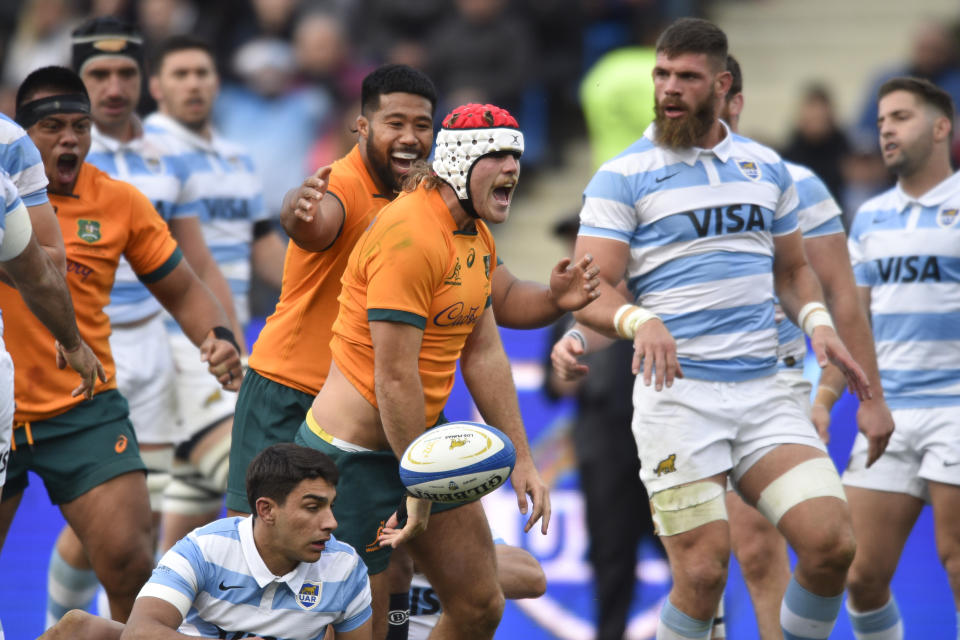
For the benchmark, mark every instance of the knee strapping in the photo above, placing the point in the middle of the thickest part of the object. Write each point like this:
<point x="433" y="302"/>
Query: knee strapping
<point x="158" y="462"/>
<point x="685" y="508"/>
<point x="814" y="478"/>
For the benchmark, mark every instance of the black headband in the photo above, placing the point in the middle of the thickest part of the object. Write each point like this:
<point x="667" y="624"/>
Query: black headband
<point x="87" y="47"/>
<point x="30" y="113"/>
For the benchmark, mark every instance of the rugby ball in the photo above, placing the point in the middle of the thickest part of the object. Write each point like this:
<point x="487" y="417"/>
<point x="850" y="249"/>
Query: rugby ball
<point x="457" y="462"/>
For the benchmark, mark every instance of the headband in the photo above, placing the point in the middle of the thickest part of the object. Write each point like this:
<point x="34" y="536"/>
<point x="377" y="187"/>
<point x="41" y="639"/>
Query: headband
<point x="30" y="113"/>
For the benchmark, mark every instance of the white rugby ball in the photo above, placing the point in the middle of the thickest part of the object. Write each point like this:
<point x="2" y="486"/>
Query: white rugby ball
<point x="457" y="462"/>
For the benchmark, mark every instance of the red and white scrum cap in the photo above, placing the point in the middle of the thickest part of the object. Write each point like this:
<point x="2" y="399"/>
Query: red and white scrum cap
<point x="470" y="132"/>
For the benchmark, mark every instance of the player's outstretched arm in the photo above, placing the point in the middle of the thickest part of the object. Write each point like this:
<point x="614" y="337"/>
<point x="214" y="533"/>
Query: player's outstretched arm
<point x="519" y="573"/>
<point x="153" y="619"/>
<point x="522" y="304"/>
<point x="44" y="290"/>
<point x="312" y="219"/>
<point x="486" y="372"/>
<point x="849" y="305"/>
<point x="188" y="233"/>
<point x="203" y="320"/>
<point x="800" y="295"/>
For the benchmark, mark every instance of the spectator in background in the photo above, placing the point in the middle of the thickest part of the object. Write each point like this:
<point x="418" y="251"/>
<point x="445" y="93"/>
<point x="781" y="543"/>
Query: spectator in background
<point x="41" y="38"/>
<point x="481" y="54"/>
<point x="617" y="99"/>
<point x="394" y="31"/>
<point x="607" y="465"/>
<point x="816" y="141"/>
<point x="933" y="56"/>
<point x="274" y="119"/>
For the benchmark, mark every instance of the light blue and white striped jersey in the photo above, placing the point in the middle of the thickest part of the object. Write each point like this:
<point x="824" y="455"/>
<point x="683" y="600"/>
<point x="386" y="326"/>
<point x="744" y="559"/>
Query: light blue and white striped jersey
<point x="907" y="251"/>
<point x="155" y="174"/>
<point x="818" y="215"/>
<point x="20" y="158"/>
<point x="222" y="188"/>
<point x="217" y="580"/>
<point x="700" y="225"/>
<point x="10" y="202"/>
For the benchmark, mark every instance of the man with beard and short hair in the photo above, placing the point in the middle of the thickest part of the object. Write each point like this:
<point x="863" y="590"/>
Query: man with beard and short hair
<point x="905" y="249"/>
<point x="703" y="225"/>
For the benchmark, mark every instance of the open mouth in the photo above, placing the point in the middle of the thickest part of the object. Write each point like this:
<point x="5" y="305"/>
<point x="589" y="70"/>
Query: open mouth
<point x="673" y="110"/>
<point x="67" y="165"/>
<point x="403" y="160"/>
<point x="318" y="545"/>
<point x="501" y="195"/>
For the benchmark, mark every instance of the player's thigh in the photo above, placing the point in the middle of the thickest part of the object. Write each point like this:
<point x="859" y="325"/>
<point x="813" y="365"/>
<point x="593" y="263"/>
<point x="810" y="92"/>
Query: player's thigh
<point x="113" y="522"/>
<point x="945" y="499"/>
<point x="200" y="398"/>
<point x="753" y="539"/>
<point x="8" y="509"/>
<point x="457" y="544"/>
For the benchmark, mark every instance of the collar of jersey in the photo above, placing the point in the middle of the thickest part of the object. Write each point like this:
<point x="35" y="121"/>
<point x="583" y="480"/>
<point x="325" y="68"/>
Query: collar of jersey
<point x="933" y="198"/>
<point x="721" y="150"/>
<point x="179" y="131"/>
<point x="258" y="569"/>
<point x="112" y="145"/>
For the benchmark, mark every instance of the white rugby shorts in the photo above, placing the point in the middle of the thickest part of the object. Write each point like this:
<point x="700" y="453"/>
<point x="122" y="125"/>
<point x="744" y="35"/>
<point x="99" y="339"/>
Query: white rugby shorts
<point x="145" y="377"/>
<point x="201" y="399"/>
<point x="925" y="446"/>
<point x="699" y="428"/>
<point x="6" y="409"/>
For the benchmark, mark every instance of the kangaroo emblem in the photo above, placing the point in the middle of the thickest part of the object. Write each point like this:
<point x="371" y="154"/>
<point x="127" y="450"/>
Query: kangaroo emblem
<point x="667" y="465"/>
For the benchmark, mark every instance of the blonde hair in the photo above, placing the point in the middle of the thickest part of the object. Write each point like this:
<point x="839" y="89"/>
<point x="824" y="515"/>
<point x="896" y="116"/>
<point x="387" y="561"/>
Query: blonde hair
<point x="421" y="173"/>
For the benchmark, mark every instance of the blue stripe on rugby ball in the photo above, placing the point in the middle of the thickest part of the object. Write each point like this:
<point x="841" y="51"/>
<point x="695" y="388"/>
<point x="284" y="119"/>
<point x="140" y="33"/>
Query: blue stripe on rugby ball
<point x="457" y="462"/>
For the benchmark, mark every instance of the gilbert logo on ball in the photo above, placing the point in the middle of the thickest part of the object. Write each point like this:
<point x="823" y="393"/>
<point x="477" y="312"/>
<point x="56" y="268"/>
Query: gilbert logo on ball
<point x="457" y="462"/>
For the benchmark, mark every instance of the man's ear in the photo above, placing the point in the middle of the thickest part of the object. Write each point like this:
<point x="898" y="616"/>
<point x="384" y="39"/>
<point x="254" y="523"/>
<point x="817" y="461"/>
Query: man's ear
<point x="724" y="81"/>
<point x="266" y="510"/>
<point x="363" y="127"/>
<point x="941" y="128"/>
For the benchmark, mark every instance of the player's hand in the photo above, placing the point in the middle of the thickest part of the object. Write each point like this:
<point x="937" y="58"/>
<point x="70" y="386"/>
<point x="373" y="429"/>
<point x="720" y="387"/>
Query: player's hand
<point x="876" y="423"/>
<point x="820" y="416"/>
<point x="223" y="361"/>
<point x="526" y="481"/>
<point x="310" y="194"/>
<point x="564" y="357"/>
<point x="828" y="348"/>
<point x="418" y="513"/>
<point x="572" y="287"/>
<point x="655" y="353"/>
<point x="83" y="361"/>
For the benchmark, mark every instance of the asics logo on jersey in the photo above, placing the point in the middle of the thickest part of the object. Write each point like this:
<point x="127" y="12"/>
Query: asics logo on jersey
<point x="663" y="178"/>
<point x="732" y="219"/>
<point x="909" y="269"/>
<point x="457" y="315"/>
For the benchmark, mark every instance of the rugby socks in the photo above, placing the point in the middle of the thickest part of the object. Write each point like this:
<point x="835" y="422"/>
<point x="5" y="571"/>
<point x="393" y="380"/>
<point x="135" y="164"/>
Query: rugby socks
<point x="807" y="616"/>
<point x="67" y="588"/>
<point x="398" y="617"/>
<point x="880" y="624"/>
<point x="676" y="625"/>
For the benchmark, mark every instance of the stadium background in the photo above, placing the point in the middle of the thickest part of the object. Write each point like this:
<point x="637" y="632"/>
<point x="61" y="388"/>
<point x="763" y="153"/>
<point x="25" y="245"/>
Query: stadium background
<point x="782" y="45"/>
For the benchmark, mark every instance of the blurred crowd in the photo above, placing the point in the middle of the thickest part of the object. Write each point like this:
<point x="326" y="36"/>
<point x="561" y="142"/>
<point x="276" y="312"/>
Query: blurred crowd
<point x="292" y="69"/>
